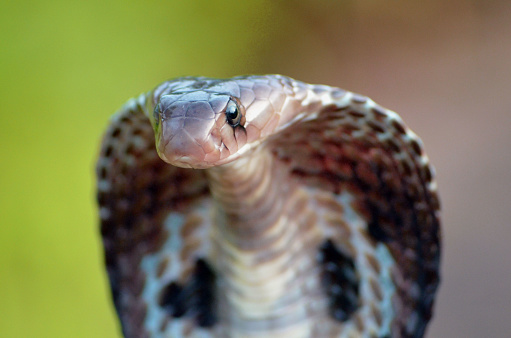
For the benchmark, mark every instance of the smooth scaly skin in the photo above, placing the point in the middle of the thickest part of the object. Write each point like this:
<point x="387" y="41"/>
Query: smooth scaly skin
<point x="307" y="163"/>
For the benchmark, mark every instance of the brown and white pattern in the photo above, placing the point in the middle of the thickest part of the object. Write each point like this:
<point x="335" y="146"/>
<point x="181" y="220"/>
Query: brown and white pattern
<point x="275" y="208"/>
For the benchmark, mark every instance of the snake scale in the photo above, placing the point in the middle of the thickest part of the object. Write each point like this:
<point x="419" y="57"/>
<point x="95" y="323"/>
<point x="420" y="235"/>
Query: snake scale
<point x="268" y="208"/>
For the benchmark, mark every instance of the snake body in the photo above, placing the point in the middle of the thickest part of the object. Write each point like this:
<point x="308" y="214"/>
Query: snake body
<point x="268" y="207"/>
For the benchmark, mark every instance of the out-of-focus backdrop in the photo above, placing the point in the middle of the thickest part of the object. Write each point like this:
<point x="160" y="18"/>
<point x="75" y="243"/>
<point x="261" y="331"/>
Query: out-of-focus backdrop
<point x="66" y="66"/>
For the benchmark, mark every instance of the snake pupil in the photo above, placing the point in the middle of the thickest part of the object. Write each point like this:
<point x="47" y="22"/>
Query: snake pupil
<point x="232" y="113"/>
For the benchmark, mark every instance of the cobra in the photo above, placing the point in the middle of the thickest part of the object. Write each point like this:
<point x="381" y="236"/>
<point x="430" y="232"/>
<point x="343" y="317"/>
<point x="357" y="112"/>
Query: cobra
<point x="262" y="206"/>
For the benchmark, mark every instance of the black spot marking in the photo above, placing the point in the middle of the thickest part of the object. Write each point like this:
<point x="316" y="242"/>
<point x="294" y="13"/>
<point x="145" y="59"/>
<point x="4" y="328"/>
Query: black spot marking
<point x="416" y="147"/>
<point x="116" y="132"/>
<point x="393" y="146"/>
<point x="171" y="299"/>
<point x="194" y="299"/>
<point x="204" y="284"/>
<point x="406" y="168"/>
<point x="427" y="174"/>
<point x="379" y="112"/>
<point x="126" y="120"/>
<point x="376" y="127"/>
<point x="356" y="114"/>
<point x="399" y="127"/>
<point x="332" y="108"/>
<point x="376" y="232"/>
<point x="339" y="280"/>
<point x="102" y="172"/>
<point x="109" y="150"/>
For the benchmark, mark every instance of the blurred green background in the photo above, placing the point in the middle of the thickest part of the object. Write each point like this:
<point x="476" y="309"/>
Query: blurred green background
<point x="66" y="66"/>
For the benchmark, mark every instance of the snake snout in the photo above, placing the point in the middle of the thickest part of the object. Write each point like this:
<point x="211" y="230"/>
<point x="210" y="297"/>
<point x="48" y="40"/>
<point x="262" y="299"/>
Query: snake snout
<point x="183" y="130"/>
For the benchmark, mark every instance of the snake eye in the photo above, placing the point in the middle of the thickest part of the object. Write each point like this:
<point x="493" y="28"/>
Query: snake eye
<point x="232" y="113"/>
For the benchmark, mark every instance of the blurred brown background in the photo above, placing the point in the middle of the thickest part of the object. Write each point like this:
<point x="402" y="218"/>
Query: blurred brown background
<point x="444" y="66"/>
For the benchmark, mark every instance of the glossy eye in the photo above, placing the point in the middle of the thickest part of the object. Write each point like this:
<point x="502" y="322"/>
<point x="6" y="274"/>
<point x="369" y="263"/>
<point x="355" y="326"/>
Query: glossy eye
<point x="233" y="114"/>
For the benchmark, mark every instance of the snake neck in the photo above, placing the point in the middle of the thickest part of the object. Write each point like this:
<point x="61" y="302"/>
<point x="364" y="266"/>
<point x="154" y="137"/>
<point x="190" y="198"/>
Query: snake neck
<point x="264" y="247"/>
<point x="249" y="194"/>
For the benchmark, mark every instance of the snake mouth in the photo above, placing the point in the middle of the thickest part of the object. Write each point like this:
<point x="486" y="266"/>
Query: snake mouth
<point x="180" y="149"/>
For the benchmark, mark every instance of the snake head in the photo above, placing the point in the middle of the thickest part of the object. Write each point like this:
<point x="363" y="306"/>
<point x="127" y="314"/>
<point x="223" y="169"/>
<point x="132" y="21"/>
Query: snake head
<point x="199" y="128"/>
